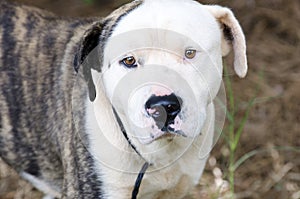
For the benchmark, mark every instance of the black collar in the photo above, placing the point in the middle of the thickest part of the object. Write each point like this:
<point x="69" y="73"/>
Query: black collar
<point x="144" y="167"/>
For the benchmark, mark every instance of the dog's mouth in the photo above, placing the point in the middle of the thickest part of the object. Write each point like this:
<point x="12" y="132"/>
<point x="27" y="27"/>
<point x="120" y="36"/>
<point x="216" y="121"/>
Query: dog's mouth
<point x="170" y="135"/>
<point x="167" y="134"/>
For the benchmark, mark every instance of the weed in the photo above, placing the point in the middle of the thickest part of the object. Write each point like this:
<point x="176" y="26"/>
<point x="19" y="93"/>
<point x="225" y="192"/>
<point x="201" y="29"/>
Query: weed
<point x="234" y="130"/>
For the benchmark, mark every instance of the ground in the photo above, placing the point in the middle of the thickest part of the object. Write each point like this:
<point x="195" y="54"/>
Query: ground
<point x="272" y="131"/>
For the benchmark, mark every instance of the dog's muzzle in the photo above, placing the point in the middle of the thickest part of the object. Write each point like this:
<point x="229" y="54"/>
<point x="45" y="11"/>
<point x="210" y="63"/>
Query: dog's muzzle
<point x="164" y="109"/>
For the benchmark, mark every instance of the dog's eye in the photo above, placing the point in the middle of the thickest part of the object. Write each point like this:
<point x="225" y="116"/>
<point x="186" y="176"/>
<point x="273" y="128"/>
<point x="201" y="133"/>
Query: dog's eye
<point x="129" y="62"/>
<point x="190" y="53"/>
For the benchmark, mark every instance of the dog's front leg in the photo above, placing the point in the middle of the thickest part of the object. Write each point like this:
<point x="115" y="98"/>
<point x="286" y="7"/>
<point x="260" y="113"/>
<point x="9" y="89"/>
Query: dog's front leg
<point x="80" y="179"/>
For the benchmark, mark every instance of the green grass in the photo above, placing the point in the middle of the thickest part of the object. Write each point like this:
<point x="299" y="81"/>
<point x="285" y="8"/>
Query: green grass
<point x="234" y="130"/>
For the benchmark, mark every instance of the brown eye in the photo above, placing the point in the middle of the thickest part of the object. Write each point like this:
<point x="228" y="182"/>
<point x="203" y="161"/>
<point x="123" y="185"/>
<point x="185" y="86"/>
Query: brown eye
<point x="129" y="62"/>
<point x="190" y="53"/>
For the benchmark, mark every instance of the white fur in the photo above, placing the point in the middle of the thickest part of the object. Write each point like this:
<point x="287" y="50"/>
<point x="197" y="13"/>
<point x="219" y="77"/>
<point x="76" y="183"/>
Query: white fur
<point x="225" y="16"/>
<point x="119" y="166"/>
<point x="157" y="34"/>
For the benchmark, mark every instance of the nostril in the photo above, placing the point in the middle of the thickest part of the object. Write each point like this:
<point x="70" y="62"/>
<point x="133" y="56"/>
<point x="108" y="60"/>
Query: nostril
<point x="156" y="111"/>
<point x="173" y="109"/>
<point x="159" y="114"/>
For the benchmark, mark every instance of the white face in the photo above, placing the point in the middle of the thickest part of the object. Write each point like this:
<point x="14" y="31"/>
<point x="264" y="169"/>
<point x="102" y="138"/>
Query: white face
<point x="159" y="73"/>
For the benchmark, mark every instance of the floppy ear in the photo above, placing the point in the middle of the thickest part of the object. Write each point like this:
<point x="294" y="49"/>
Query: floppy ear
<point x="89" y="56"/>
<point x="232" y="36"/>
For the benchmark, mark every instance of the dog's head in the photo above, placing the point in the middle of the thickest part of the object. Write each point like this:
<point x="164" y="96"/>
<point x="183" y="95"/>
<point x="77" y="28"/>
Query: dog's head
<point x="159" y="64"/>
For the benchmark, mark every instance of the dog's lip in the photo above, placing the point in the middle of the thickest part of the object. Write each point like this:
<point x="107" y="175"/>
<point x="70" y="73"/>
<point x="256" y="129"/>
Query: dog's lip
<point x="170" y="135"/>
<point x="160" y="135"/>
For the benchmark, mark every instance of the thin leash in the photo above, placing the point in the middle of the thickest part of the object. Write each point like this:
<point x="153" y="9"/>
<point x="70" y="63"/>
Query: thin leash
<point x="145" y="166"/>
<point x="139" y="180"/>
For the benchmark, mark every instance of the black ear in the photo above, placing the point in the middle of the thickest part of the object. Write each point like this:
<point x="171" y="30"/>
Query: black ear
<point x="89" y="56"/>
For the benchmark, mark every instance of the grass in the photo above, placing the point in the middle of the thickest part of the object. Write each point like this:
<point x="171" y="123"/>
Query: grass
<point x="234" y="130"/>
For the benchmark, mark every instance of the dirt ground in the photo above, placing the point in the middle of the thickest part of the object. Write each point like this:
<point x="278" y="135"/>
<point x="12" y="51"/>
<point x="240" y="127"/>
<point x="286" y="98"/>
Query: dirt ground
<point x="272" y="132"/>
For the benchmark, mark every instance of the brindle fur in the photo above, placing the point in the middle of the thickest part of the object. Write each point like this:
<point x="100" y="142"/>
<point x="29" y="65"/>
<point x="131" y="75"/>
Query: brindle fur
<point x="38" y="53"/>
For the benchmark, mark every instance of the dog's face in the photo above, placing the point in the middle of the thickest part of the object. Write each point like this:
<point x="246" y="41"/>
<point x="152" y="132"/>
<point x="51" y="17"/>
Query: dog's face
<point x="159" y="73"/>
<point x="162" y="66"/>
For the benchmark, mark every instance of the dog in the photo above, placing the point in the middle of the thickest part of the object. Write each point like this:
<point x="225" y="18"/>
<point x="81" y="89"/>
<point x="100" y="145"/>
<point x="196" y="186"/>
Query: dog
<point x="114" y="107"/>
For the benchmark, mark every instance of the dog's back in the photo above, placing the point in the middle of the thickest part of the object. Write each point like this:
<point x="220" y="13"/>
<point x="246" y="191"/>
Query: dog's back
<point x="27" y="76"/>
<point x="35" y="89"/>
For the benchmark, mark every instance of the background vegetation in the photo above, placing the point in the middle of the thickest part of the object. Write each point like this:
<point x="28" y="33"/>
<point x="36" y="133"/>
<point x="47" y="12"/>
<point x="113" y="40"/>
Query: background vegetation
<point x="266" y="161"/>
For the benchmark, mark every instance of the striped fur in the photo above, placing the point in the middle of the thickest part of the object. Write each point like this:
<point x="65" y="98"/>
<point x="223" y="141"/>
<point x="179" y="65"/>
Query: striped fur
<point x="38" y="53"/>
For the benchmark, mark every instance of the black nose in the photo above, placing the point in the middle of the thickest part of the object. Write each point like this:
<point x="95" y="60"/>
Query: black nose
<point x="163" y="109"/>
